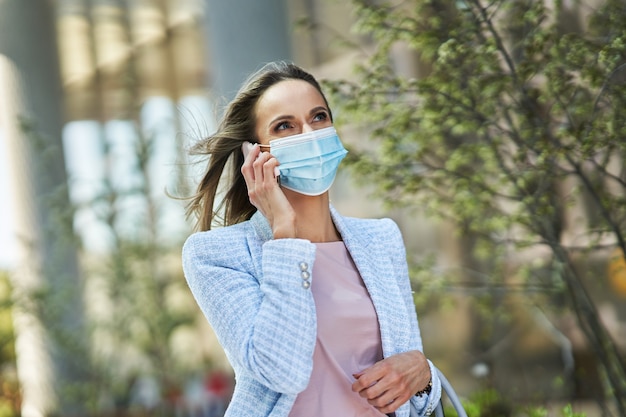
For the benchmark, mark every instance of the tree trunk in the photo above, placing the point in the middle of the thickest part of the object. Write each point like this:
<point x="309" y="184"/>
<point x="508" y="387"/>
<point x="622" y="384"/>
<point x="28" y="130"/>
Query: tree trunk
<point x="600" y="341"/>
<point x="48" y="299"/>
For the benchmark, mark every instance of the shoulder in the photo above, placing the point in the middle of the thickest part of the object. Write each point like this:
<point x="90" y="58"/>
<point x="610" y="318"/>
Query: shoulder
<point x="377" y="228"/>
<point x="217" y="241"/>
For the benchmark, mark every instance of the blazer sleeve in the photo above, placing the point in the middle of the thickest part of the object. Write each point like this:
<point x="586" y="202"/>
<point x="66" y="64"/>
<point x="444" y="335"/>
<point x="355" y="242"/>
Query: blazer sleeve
<point x="265" y="321"/>
<point x="424" y="405"/>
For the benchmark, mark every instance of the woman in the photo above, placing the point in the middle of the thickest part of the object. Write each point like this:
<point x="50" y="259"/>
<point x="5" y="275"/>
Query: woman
<point x="314" y="310"/>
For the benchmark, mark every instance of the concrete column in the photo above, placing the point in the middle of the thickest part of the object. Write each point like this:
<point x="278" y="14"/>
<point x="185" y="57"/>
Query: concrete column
<point x="48" y="308"/>
<point x="242" y="36"/>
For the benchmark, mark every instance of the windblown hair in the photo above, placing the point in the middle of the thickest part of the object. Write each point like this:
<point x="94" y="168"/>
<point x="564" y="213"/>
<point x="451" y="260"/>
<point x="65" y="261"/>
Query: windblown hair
<point x="236" y="127"/>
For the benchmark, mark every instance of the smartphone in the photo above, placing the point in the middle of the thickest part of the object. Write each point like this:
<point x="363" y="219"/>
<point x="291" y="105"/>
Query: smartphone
<point x="245" y="149"/>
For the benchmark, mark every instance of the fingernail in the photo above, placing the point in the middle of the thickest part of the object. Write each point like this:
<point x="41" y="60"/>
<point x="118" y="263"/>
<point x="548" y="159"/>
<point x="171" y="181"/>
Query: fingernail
<point x="276" y="172"/>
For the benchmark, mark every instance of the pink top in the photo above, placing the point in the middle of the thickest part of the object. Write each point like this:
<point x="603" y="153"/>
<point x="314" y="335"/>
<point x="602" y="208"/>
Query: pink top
<point x="348" y="337"/>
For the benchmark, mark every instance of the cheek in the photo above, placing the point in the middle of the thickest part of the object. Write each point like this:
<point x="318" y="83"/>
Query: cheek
<point x="261" y="135"/>
<point x="262" y="138"/>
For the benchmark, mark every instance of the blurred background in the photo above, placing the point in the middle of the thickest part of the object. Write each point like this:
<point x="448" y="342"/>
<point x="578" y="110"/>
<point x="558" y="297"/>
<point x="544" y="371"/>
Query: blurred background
<point x="100" y="101"/>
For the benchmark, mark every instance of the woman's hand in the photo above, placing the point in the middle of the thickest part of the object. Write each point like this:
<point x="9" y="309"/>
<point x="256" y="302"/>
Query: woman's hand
<point x="259" y="171"/>
<point x="393" y="381"/>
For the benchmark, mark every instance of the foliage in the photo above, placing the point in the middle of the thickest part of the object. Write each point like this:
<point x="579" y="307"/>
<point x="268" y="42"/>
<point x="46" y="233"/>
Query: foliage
<point x="47" y="292"/>
<point x="142" y="294"/>
<point x="10" y="397"/>
<point x="136" y="297"/>
<point x="515" y="115"/>
<point x="490" y="403"/>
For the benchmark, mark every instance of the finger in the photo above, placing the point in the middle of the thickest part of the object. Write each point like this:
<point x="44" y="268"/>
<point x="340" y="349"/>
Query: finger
<point x="246" y="168"/>
<point x="376" y="391"/>
<point x="370" y="376"/>
<point x="389" y="400"/>
<point x="257" y="166"/>
<point x="368" y="390"/>
<point x="386" y="396"/>
<point x="391" y="406"/>
<point x="397" y="390"/>
<point x="270" y="168"/>
<point x="359" y="384"/>
<point x="384" y="405"/>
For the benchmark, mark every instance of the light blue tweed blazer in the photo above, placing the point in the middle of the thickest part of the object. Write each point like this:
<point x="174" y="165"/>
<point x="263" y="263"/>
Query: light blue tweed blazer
<point x="250" y="289"/>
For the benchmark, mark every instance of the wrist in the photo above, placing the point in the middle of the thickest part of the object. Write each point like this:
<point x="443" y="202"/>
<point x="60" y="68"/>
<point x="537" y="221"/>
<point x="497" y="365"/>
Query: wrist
<point x="284" y="230"/>
<point x="426" y="390"/>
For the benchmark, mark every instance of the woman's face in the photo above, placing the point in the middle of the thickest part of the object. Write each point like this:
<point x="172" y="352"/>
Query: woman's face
<point x="289" y="108"/>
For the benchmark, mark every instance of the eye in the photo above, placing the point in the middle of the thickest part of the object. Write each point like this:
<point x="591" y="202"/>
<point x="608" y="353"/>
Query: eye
<point x="321" y="116"/>
<point x="281" y="126"/>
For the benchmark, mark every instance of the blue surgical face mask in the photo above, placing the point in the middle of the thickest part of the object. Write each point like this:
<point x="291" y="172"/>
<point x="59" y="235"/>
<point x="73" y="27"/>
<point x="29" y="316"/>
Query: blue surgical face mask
<point x="308" y="161"/>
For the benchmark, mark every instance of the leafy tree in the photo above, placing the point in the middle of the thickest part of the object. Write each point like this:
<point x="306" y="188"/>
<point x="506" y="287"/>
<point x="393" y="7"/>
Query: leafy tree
<point x="517" y="113"/>
<point x="136" y="295"/>
<point x="139" y="282"/>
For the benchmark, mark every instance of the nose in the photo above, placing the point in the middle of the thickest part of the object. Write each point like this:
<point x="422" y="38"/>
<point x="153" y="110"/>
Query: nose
<point x="306" y="128"/>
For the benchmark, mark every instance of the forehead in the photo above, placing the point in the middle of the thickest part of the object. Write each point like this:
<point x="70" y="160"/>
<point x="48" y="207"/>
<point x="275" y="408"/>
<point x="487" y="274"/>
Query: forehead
<point x="288" y="95"/>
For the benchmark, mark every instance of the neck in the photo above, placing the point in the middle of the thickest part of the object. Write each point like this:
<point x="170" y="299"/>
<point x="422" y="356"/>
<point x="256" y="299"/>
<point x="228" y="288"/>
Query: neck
<point x="313" y="219"/>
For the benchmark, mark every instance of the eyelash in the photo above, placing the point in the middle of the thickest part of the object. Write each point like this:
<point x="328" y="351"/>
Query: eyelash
<point x="321" y="116"/>
<point x="280" y="125"/>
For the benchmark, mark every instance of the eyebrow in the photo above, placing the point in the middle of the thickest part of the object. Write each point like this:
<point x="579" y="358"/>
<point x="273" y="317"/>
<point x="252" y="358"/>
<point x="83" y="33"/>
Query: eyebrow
<point x="290" y="117"/>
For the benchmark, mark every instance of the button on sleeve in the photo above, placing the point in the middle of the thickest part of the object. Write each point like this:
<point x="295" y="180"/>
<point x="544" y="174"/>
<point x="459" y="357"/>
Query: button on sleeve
<point x="305" y="274"/>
